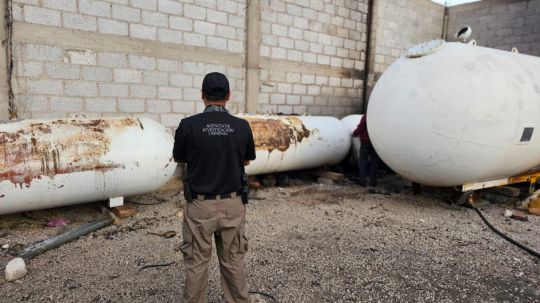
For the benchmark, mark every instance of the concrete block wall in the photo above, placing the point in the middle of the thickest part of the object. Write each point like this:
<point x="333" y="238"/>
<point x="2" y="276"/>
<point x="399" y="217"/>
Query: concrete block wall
<point x="4" y="99"/>
<point x="312" y="54"/>
<point x="124" y="57"/>
<point x="401" y="24"/>
<point x="500" y="24"/>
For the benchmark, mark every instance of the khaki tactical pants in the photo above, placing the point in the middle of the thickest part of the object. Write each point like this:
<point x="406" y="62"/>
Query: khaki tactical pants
<point x="225" y="220"/>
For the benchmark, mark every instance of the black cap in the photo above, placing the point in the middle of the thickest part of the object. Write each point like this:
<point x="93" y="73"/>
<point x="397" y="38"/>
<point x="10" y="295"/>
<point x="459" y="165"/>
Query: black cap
<point x="215" y="86"/>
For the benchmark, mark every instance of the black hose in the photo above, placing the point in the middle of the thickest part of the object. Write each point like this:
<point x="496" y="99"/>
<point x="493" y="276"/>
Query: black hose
<point x="507" y="238"/>
<point x="264" y="294"/>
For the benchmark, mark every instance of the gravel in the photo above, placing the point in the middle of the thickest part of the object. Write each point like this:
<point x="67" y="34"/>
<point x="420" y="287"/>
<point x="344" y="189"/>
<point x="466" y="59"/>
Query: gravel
<point x="308" y="243"/>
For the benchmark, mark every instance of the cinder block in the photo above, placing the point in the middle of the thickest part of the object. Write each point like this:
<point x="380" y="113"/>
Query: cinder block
<point x="114" y="27"/>
<point x="63" y="71"/>
<point x="143" y="31"/>
<point x="181" y="80"/>
<point x="301" y="45"/>
<point x="277" y="99"/>
<point x="63" y="5"/>
<point x="227" y="6"/>
<point x="170" y="36"/>
<point x="228" y="32"/>
<point x="95" y="8"/>
<point x="336" y="62"/>
<point x="29" y="69"/>
<point x="300" y="22"/>
<point x="64" y="104"/>
<point x="323" y="59"/>
<point x="169" y="65"/>
<point x="308" y="79"/>
<point x="158" y="106"/>
<point x="316" y="48"/>
<point x="194" y="39"/>
<point x="285" y="19"/>
<point x="155" y="78"/>
<point x="145" y="4"/>
<point x="36" y="103"/>
<point x="131" y="105"/>
<point x="294" y="10"/>
<point x="170" y="7"/>
<point x="205" y="28"/>
<point x="126" y="13"/>
<point x="127" y="76"/>
<point x="192" y="94"/>
<point x="279" y="30"/>
<point x="170" y="93"/>
<point x="101" y="105"/>
<point x="45" y="87"/>
<point x="314" y="90"/>
<point x="181" y="23"/>
<point x="80" y="57"/>
<point x="143" y="91"/>
<point x="235" y="46"/>
<point x="195" y="12"/>
<point x="217" y="17"/>
<point x="309" y="58"/>
<point x="286" y="42"/>
<point x="293" y="99"/>
<point x="155" y="19"/>
<point x="113" y="90"/>
<point x="183" y="107"/>
<point x="171" y="120"/>
<point x="43" y="52"/>
<point x="81" y="88"/>
<point x="112" y="59"/>
<point x="43" y="16"/>
<point x="217" y="43"/>
<point x="142" y="62"/>
<point x="279" y="53"/>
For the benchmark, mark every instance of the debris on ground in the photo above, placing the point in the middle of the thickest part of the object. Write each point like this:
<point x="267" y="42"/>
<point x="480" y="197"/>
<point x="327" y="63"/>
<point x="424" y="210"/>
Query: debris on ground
<point x="15" y="269"/>
<point x="165" y="234"/>
<point x="519" y="215"/>
<point x="54" y="242"/>
<point x="325" y="181"/>
<point x="125" y="211"/>
<point x="58" y="222"/>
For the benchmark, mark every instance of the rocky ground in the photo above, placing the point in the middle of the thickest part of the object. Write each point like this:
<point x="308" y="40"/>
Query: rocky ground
<point x="308" y="243"/>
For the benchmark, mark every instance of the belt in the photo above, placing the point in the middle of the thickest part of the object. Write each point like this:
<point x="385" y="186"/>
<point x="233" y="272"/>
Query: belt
<point x="216" y="196"/>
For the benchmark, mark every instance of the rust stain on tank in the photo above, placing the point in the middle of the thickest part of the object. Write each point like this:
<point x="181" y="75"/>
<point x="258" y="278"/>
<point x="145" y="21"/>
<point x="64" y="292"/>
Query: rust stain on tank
<point x="59" y="147"/>
<point x="277" y="133"/>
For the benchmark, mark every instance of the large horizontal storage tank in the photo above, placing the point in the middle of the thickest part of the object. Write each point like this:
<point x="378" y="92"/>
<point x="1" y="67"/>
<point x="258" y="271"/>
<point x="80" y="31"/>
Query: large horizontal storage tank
<point x="450" y="114"/>
<point x="285" y="143"/>
<point x="50" y="163"/>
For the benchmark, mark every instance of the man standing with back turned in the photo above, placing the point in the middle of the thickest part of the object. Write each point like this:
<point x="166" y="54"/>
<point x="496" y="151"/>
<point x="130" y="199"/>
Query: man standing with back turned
<point x="216" y="146"/>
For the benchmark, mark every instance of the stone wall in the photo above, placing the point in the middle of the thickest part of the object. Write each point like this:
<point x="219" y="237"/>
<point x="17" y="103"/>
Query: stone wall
<point x="501" y="24"/>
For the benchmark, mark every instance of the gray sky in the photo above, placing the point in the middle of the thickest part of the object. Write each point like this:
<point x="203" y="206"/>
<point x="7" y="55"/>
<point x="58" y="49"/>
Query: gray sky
<point x="454" y="2"/>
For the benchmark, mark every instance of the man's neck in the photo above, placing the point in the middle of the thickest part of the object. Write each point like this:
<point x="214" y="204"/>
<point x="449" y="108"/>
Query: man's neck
<point x="214" y="107"/>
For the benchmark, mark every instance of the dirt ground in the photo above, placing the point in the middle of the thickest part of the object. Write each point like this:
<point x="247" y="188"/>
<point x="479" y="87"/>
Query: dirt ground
<point x="308" y="243"/>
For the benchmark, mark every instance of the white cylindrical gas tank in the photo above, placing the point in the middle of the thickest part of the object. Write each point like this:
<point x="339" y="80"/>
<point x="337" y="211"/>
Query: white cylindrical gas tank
<point x="285" y="143"/>
<point x="351" y="122"/>
<point x="50" y="163"/>
<point x="450" y="114"/>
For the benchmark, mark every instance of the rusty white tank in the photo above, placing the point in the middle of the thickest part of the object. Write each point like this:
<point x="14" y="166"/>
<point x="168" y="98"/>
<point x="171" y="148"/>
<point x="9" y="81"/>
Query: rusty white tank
<point x="50" y="163"/>
<point x="449" y="114"/>
<point x="285" y="143"/>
